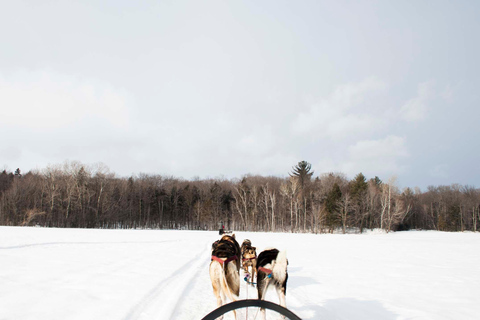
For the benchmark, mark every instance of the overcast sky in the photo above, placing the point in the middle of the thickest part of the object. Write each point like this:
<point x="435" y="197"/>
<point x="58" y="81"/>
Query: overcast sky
<point x="228" y="88"/>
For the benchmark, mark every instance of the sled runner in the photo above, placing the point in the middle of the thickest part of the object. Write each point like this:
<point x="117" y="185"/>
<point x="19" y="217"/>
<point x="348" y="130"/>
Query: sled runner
<point x="250" y="303"/>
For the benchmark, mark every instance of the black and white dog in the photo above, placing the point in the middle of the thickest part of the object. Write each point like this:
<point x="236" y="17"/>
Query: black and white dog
<point x="225" y="269"/>
<point x="272" y="270"/>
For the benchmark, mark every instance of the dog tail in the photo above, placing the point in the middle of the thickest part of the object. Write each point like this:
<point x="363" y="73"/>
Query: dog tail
<point x="231" y="281"/>
<point x="280" y="268"/>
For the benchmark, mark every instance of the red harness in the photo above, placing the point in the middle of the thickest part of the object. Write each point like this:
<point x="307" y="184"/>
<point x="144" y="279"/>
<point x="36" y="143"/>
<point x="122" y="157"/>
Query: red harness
<point x="224" y="261"/>
<point x="267" y="271"/>
<point x="246" y="259"/>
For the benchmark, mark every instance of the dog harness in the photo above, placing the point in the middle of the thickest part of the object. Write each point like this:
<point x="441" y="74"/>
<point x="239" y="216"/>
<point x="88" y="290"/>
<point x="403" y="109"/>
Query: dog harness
<point x="224" y="261"/>
<point x="267" y="271"/>
<point x="246" y="259"/>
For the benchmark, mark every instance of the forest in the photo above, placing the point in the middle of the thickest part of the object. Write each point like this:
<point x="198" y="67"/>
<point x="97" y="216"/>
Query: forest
<point x="75" y="195"/>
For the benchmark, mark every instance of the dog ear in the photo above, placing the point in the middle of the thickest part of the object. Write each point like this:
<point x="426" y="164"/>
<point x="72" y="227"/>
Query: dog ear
<point x="233" y="235"/>
<point x="254" y="248"/>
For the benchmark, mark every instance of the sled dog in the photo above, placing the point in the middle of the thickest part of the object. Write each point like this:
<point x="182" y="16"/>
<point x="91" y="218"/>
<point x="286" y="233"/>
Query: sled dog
<point x="249" y="259"/>
<point x="224" y="269"/>
<point x="272" y="271"/>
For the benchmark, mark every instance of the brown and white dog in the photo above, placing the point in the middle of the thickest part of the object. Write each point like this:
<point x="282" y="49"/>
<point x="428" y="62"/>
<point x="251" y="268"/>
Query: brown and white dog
<point x="225" y="269"/>
<point x="249" y="259"/>
<point x="272" y="271"/>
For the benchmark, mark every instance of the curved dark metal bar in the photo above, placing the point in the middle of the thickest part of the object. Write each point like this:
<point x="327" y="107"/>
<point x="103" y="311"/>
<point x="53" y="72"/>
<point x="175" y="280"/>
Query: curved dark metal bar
<point x="250" y="303"/>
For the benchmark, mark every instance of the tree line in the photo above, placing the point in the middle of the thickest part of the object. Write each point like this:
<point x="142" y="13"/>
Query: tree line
<point x="74" y="195"/>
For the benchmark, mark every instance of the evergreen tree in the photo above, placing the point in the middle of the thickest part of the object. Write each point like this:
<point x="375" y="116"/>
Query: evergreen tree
<point x="302" y="172"/>
<point x="332" y="207"/>
<point x="358" y="191"/>
<point x="358" y="187"/>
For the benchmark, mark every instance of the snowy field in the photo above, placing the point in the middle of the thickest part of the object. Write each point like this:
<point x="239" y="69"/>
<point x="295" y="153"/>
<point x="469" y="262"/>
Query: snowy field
<point x="152" y="274"/>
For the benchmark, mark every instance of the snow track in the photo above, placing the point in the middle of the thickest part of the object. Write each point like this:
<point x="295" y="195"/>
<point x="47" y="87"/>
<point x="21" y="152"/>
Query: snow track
<point x="163" y="299"/>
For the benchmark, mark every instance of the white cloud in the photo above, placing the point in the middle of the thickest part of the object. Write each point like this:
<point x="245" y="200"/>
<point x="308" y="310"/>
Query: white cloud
<point x="416" y="109"/>
<point x="391" y="146"/>
<point x="351" y="110"/>
<point x="48" y="100"/>
<point x="448" y="93"/>
<point x="379" y="157"/>
<point x="354" y="94"/>
<point x="50" y="117"/>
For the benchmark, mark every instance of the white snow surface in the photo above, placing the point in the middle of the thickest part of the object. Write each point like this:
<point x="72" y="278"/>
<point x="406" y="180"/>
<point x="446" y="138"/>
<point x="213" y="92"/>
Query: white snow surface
<point x="157" y="274"/>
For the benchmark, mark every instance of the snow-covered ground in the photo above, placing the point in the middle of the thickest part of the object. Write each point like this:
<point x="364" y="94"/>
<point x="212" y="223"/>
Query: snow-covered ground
<point x="153" y="274"/>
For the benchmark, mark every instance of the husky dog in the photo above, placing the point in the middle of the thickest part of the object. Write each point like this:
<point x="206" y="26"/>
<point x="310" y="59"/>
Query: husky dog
<point x="272" y="270"/>
<point x="246" y="243"/>
<point x="224" y="269"/>
<point x="249" y="259"/>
